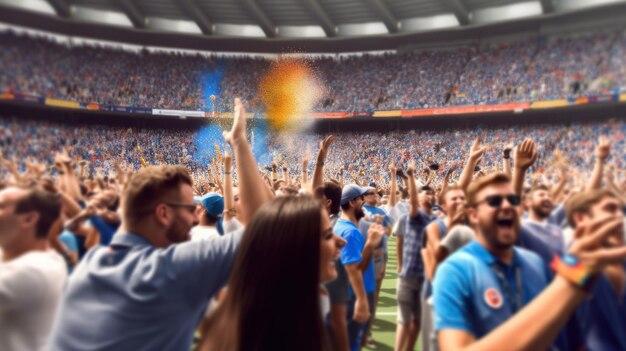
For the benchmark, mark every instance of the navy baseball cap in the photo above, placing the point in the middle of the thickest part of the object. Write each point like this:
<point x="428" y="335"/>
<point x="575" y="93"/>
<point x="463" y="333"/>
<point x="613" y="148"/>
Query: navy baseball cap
<point x="351" y="192"/>
<point x="213" y="203"/>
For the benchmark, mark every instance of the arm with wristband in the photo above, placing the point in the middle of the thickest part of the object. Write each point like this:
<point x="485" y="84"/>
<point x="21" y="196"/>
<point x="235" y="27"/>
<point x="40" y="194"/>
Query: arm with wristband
<point x="536" y="325"/>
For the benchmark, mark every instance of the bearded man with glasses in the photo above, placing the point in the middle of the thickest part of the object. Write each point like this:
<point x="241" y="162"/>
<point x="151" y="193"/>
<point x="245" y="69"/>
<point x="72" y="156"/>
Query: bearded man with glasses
<point x="486" y="282"/>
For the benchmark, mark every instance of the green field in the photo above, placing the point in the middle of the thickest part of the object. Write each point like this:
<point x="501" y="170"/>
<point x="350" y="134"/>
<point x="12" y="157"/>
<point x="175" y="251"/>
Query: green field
<point x="384" y="329"/>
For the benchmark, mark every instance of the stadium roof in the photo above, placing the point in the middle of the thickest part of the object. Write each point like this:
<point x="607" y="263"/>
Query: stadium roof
<point x="278" y="19"/>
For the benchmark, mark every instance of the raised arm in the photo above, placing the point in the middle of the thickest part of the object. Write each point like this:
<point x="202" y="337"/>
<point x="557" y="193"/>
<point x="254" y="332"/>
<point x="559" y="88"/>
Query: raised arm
<point x="318" y="172"/>
<point x="525" y="156"/>
<point x="603" y="151"/>
<point x="413" y="193"/>
<point x="12" y="169"/>
<point x="229" y="201"/>
<point x="476" y="153"/>
<point x="66" y="174"/>
<point x="393" y="187"/>
<point x="250" y="181"/>
<point x="557" y="191"/>
<point x="506" y="160"/>
<point x="536" y="325"/>
<point x="446" y="181"/>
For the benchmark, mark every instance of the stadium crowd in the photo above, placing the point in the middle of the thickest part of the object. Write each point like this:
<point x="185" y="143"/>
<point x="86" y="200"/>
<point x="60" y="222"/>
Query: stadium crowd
<point x="527" y="69"/>
<point x="104" y="246"/>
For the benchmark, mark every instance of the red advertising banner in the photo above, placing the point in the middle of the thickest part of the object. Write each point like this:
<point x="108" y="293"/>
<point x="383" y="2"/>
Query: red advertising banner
<point x="465" y="109"/>
<point x="330" y="115"/>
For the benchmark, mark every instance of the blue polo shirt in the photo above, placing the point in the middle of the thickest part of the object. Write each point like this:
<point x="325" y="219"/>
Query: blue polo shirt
<point x="133" y="296"/>
<point x="351" y="252"/>
<point x="470" y="295"/>
<point x="602" y="318"/>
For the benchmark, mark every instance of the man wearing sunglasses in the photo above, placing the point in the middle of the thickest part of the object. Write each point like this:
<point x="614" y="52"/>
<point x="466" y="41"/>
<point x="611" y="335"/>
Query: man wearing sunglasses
<point x="486" y="282"/>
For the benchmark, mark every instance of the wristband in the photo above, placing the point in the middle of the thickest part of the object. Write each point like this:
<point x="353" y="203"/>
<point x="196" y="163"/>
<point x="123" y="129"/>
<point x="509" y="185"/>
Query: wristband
<point x="226" y="172"/>
<point x="574" y="271"/>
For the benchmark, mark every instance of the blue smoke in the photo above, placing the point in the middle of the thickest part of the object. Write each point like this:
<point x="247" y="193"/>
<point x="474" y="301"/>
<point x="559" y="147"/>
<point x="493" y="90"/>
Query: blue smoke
<point x="260" y="138"/>
<point x="212" y="82"/>
<point x="205" y="141"/>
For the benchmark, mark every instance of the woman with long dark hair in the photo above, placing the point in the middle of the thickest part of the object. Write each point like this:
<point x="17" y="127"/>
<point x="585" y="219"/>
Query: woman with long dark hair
<point x="273" y="297"/>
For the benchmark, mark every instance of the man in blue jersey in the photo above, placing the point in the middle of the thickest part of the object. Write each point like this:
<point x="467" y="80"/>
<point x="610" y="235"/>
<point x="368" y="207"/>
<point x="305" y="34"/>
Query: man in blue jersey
<point x="602" y="315"/>
<point x="486" y="282"/>
<point x="356" y="257"/>
<point x="375" y="214"/>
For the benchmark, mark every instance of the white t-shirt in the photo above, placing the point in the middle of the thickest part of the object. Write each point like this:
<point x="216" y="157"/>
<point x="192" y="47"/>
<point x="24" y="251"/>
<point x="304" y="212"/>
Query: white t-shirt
<point x="232" y="225"/>
<point x="201" y="232"/>
<point x="30" y="290"/>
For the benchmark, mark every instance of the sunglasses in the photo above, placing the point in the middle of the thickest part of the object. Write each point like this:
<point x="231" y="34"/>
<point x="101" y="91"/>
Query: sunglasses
<point x="495" y="201"/>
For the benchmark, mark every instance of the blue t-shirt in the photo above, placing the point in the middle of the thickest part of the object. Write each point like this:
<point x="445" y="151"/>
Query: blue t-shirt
<point x="351" y="252"/>
<point x="470" y="295"/>
<point x="557" y="216"/>
<point x="544" y="239"/>
<point x="105" y="229"/>
<point x="602" y="318"/>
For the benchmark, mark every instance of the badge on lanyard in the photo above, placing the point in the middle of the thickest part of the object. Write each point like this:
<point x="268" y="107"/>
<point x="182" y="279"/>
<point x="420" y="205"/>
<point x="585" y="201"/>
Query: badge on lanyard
<point x="493" y="298"/>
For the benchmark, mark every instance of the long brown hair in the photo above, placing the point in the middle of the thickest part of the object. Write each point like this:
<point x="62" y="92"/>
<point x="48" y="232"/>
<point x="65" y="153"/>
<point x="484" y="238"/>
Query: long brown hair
<point x="273" y="298"/>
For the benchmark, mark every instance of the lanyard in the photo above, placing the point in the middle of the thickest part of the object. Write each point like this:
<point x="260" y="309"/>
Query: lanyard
<point x="516" y="300"/>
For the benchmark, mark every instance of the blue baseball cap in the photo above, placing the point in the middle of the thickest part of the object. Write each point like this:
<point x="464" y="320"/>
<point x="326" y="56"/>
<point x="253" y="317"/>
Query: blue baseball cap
<point x="351" y="192"/>
<point x="213" y="203"/>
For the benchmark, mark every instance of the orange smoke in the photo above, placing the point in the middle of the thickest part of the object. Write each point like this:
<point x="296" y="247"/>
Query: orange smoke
<point x="289" y="91"/>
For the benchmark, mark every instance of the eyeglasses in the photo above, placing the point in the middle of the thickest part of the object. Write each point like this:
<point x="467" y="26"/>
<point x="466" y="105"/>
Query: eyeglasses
<point x="190" y="207"/>
<point x="495" y="201"/>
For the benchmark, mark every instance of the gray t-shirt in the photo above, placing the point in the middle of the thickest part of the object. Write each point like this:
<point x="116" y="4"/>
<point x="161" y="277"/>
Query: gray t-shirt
<point x="457" y="237"/>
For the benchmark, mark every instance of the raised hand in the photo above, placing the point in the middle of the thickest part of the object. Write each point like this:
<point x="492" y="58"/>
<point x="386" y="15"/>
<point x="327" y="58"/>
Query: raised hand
<point x="228" y="162"/>
<point x="507" y="150"/>
<point x="525" y="154"/>
<point x="603" y="150"/>
<point x="477" y="152"/>
<point x="325" y="144"/>
<point x="599" y="243"/>
<point x="237" y="133"/>
<point x="449" y="174"/>
<point x="375" y="233"/>
<point x="411" y="168"/>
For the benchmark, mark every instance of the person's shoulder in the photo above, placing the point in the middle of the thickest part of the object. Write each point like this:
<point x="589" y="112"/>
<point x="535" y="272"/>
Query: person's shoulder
<point x="462" y="229"/>
<point x="39" y="263"/>
<point x="461" y="258"/>
<point x="529" y="257"/>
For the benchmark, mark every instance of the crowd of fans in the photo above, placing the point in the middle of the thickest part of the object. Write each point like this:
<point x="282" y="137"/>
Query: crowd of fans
<point x="290" y="255"/>
<point x="530" y="69"/>
<point x="357" y="155"/>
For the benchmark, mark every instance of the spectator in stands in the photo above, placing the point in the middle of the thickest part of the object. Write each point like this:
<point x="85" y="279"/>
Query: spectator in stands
<point x="32" y="277"/>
